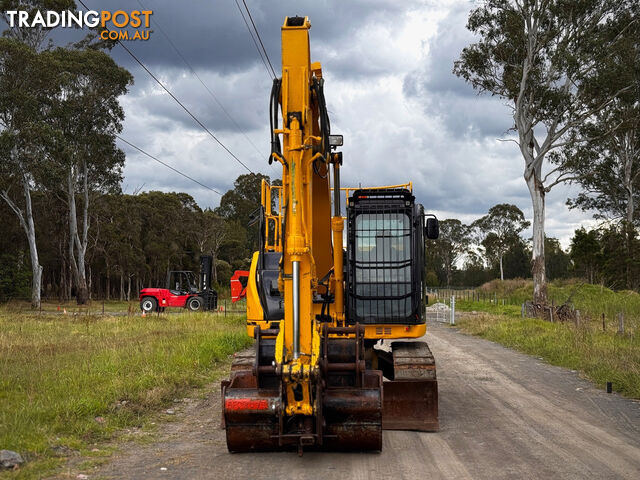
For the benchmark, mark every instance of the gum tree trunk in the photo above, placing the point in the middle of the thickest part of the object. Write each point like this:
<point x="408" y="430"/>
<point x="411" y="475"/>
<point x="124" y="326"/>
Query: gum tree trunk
<point x="28" y="225"/>
<point x="78" y="246"/>
<point x="536" y="190"/>
<point x="629" y="180"/>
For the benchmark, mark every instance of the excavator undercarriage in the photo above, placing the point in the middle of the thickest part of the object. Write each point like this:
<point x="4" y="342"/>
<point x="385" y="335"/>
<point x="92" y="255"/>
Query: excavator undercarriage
<point x="337" y="354"/>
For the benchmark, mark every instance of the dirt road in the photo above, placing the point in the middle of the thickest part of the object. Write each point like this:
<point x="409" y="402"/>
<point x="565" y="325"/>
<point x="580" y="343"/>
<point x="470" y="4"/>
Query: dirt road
<point x="502" y="415"/>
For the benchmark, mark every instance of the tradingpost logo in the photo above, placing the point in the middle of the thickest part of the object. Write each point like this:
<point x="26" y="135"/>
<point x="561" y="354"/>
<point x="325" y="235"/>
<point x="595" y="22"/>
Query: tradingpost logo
<point x="114" y="25"/>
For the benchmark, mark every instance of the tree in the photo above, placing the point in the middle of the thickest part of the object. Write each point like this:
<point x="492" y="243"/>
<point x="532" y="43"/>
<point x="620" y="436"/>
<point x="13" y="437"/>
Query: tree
<point x="33" y="37"/>
<point x="211" y="233"/>
<point x="26" y="90"/>
<point x="607" y="164"/>
<point x="517" y="260"/>
<point x="585" y="252"/>
<point x="87" y="116"/>
<point x="499" y="229"/>
<point x="445" y="252"/>
<point x="242" y="205"/>
<point x="543" y="57"/>
<point x="557" y="260"/>
<point x="474" y="272"/>
<point x="24" y="108"/>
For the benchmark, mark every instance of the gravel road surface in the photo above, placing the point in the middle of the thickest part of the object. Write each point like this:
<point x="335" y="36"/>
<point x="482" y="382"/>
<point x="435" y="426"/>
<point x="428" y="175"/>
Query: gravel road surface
<point x="502" y="415"/>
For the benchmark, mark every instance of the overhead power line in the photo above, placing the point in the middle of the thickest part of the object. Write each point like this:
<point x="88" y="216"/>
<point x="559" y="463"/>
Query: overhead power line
<point x="167" y="165"/>
<point x="179" y="102"/>
<point x="264" y="59"/>
<point x="213" y="95"/>
<point x="259" y="39"/>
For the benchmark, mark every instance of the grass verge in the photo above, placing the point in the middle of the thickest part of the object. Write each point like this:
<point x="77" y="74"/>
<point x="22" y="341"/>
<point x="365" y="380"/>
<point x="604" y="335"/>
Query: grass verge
<point x="600" y="356"/>
<point x="60" y="373"/>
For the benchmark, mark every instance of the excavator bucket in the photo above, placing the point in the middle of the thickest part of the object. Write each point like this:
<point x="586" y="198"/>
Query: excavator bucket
<point x="353" y="416"/>
<point x="411" y="391"/>
<point x="348" y="415"/>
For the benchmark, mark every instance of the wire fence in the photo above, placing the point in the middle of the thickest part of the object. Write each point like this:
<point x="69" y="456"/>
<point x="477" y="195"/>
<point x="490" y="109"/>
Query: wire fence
<point x="470" y="294"/>
<point x="607" y="316"/>
<point x="111" y="307"/>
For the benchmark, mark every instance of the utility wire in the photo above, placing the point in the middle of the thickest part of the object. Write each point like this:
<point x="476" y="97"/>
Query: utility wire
<point x="271" y="75"/>
<point x="178" y="101"/>
<point x="213" y="95"/>
<point x="259" y="39"/>
<point x="167" y="165"/>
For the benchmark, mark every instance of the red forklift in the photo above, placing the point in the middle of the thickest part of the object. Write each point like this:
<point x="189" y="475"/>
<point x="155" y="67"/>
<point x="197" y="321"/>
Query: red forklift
<point x="182" y="291"/>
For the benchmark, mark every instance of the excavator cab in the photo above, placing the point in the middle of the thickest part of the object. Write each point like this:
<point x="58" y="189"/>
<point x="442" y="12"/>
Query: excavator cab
<point x="385" y="257"/>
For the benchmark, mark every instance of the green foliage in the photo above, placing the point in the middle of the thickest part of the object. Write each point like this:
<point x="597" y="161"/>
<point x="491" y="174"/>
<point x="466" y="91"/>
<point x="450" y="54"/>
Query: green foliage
<point x="15" y="276"/>
<point x="443" y="253"/>
<point x="606" y="163"/>
<point x="242" y="205"/>
<point x="557" y="261"/>
<point x="548" y="61"/>
<point x="517" y="260"/>
<point x="60" y="373"/>
<point x="591" y="300"/>
<point x="526" y="53"/>
<point x="431" y="279"/>
<point x="610" y="255"/>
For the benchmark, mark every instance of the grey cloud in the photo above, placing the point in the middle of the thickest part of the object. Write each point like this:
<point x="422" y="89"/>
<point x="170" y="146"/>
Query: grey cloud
<point x="463" y="112"/>
<point x="212" y="35"/>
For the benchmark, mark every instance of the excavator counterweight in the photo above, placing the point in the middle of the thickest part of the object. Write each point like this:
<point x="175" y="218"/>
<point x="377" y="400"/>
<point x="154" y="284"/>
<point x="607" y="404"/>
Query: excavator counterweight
<point x="329" y="369"/>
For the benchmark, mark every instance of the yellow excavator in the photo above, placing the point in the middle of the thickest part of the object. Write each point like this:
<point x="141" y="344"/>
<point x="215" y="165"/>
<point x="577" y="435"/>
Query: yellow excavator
<point x="335" y="359"/>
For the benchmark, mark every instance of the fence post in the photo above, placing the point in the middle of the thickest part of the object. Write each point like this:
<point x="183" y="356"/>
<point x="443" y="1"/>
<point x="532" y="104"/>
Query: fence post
<point x="522" y="310"/>
<point x="225" y="307"/>
<point x="604" y="327"/>
<point x="452" y="320"/>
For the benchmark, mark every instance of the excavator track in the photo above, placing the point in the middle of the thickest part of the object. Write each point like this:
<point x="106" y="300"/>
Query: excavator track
<point x="411" y="388"/>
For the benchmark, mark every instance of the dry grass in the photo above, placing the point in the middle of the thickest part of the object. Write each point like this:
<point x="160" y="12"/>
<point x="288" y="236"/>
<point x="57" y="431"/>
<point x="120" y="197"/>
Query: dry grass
<point x="601" y="356"/>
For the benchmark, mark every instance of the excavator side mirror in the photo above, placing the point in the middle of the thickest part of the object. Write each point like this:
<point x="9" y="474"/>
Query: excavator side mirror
<point x="432" y="229"/>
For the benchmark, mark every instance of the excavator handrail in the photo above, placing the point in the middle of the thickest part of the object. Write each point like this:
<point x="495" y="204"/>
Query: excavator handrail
<point x="348" y="190"/>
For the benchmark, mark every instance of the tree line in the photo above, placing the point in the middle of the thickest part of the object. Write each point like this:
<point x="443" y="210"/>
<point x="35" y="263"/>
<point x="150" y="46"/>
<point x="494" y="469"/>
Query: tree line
<point x="493" y="247"/>
<point x="132" y="242"/>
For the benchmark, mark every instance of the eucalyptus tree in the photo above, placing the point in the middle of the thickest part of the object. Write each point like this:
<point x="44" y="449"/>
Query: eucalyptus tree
<point x="499" y="229"/>
<point x="211" y="232"/>
<point x="542" y="57"/>
<point x="34" y="37"/>
<point x="87" y="116"/>
<point x="607" y="163"/>
<point x="25" y="89"/>
<point x="450" y="247"/>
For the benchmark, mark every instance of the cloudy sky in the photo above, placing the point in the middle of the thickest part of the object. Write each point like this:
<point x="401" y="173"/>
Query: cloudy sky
<point x="389" y="88"/>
